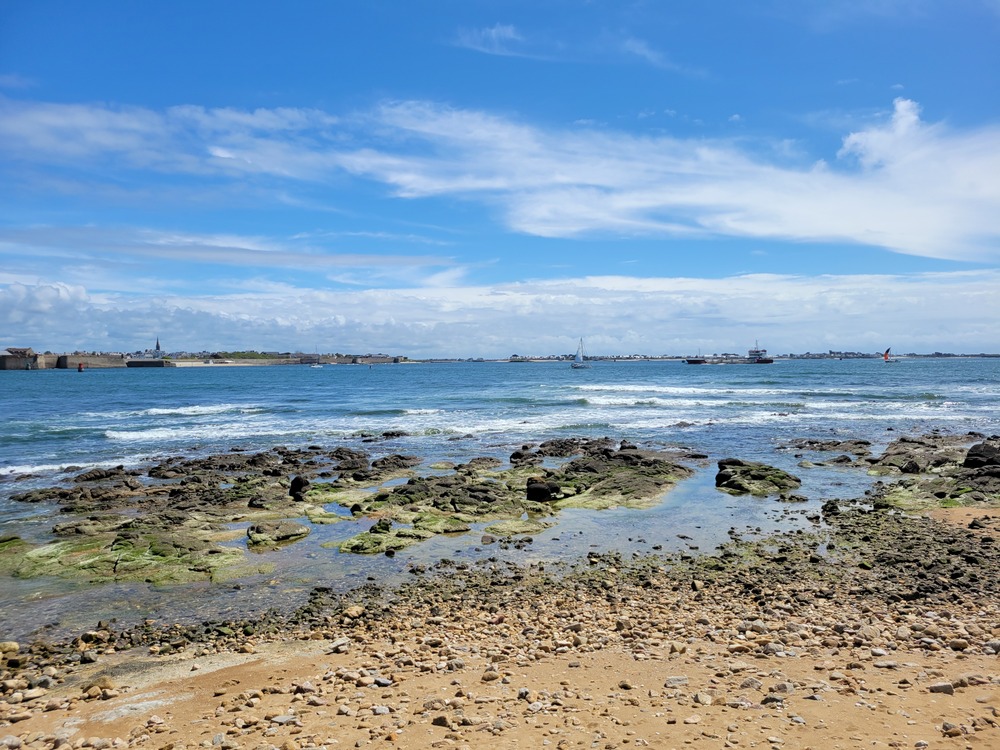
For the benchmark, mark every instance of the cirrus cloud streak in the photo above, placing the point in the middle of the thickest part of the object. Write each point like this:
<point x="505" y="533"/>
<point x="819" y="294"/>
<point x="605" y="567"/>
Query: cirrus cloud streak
<point x="900" y="184"/>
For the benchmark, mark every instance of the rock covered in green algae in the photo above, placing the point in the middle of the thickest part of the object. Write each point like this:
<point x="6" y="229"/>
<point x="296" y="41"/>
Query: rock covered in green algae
<point x="275" y="533"/>
<point x="140" y="557"/>
<point x="381" y="538"/>
<point x="927" y="453"/>
<point x="519" y="527"/>
<point x="604" y="477"/>
<point x="319" y="515"/>
<point x="188" y="504"/>
<point x="738" y="477"/>
<point x="940" y="470"/>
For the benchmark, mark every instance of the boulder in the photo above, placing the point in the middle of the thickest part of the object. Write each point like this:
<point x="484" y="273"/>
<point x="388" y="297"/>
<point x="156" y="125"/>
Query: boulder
<point x="981" y="455"/>
<point x="298" y="487"/>
<point x="524" y="456"/>
<point x="738" y="477"/>
<point x="395" y="462"/>
<point x="540" y="490"/>
<point x="275" y="533"/>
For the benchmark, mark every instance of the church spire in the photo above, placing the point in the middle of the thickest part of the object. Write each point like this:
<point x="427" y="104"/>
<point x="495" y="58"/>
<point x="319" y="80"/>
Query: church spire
<point x="157" y="344"/>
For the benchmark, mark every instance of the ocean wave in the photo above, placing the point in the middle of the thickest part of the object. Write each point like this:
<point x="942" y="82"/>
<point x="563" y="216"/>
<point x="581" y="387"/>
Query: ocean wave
<point x="765" y="405"/>
<point x="627" y="402"/>
<point x="30" y="434"/>
<point x="193" y="410"/>
<point x="203" y="410"/>
<point x="58" y="468"/>
<point x="199" y="433"/>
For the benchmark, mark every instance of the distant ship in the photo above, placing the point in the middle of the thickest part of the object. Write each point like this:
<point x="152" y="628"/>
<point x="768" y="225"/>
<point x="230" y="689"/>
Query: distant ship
<point x="755" y="356"/>
<point x="759" y="356"/>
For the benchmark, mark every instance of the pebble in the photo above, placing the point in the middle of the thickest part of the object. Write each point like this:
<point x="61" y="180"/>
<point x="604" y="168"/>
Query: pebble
<point x="773" y="620"/>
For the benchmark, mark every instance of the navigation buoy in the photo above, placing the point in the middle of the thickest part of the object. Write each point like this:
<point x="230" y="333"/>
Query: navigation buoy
<point x="79" y="367"/>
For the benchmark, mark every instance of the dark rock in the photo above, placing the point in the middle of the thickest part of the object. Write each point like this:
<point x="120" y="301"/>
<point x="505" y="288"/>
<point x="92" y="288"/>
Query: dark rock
<point x="540" y="490"/>
<point x="395" y="462"/>
<point x="298" y="487"/>
<point x="275" y="533"/>
<point x="981" y="455"/>
<point x="525" y="457"/>
<point x="738" y="477"/>
<point x="97" y="475"/>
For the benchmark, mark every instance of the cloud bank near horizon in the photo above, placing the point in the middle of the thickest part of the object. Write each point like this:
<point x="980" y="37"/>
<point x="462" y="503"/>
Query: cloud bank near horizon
<point x="901" y="184"/>
<point x="617" y="315"/>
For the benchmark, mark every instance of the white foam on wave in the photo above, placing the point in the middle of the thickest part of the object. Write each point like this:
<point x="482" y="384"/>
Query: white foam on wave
<point x="643" y="401"/>
<point x="205" y="432"/>
<point x="418" y="412"/>
<point x="60" y="467"/>
<point x="202" y="410"/>
<point x="720" y="391"/>
<point x="636" y="388"/>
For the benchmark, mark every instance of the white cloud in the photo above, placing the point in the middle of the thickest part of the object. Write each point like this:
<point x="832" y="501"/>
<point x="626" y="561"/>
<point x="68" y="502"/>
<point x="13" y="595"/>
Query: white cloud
<point x="899" y="183"/>
<point x="500" y="39"/>
<point x="634" y="47"/>
<point x="617" y="314"/>
<point x="905" y="186"/>
<point x="110" y="258"/>
<point x="642" y="50"/>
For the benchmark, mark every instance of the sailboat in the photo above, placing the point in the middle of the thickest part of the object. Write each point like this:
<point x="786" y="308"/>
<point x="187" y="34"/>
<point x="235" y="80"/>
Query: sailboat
<point x="578" y="360"/>
<point x="886" y="359"/>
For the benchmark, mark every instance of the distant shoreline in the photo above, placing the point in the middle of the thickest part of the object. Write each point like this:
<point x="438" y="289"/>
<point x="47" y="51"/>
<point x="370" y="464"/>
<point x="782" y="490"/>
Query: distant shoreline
<point x="35" y="361"/>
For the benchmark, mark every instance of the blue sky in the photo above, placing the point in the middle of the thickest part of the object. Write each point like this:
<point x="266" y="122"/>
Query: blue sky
<point x="479" y="178"/>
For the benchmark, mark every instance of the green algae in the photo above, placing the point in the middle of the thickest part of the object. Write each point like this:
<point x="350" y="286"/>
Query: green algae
<point x="372" y="543"/>
<point x="437" y="524"/>
<point x="519" y="527"/>
<point x="320" y="515"/>
<point x="153" y="559"/>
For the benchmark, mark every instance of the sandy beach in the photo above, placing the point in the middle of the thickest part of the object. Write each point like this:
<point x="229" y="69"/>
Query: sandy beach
<point x="768" y="645"/>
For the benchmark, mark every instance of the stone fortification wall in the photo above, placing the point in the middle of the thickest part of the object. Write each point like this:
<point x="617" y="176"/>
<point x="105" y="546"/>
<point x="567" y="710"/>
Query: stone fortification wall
<point x="89" y="361"/>
<point x="9" y="362"/>
<point x="61" y="361"/>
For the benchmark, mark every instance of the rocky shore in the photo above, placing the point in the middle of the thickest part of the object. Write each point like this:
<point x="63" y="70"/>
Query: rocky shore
<point x="173" y="522"/>
<point x="877" y="626"/>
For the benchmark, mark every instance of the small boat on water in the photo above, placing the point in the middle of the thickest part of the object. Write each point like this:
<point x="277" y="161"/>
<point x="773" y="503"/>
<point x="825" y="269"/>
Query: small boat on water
<point x="887" y="359"/>
<point x="579" y="362"/>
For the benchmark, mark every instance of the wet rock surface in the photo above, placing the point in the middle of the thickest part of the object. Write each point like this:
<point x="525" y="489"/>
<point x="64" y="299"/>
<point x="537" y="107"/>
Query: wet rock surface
<point x="738" y="477"/>
<point x="873" y="610"/>
<point x="173" y="522"/>
<point x="873" y="607"/>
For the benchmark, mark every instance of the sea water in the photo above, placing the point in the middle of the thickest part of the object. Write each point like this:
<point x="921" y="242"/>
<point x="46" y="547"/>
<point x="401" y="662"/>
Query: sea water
<point x="57" y="423"/>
